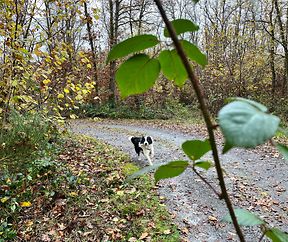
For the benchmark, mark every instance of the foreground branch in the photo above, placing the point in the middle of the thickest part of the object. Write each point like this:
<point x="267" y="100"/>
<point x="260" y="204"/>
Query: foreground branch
<point x="206" y="114"/>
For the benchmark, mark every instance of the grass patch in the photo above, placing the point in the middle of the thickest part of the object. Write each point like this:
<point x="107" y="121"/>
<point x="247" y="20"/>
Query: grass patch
<point x="77" y="193"/>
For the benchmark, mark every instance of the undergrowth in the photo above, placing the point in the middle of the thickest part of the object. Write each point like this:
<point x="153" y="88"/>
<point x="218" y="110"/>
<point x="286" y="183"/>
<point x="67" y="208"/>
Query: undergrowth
<point x="74" y="190"/>
<point x="169" y="110"/>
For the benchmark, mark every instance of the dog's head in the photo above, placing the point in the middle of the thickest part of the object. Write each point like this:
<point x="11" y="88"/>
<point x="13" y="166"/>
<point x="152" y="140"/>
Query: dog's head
<point x="146" y="140"/>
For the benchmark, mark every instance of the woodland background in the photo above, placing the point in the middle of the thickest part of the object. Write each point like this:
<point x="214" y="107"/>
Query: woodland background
<point x="53" y="66"/>
<point x="53" y="53"/>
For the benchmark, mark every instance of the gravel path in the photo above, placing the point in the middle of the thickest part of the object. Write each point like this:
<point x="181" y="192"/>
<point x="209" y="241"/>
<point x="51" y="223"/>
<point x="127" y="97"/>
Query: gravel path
<point x="255" y="181"/>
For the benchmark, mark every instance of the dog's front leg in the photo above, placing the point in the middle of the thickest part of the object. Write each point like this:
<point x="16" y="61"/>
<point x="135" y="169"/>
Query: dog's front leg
<point x="152" y="152"/>
<point x="147" y="155"/>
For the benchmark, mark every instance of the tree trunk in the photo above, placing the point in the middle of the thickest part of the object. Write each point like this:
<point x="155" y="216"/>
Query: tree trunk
<point x="113" y="37"/>
<point x="284" y="43"/>
<point x="272" y="51"/>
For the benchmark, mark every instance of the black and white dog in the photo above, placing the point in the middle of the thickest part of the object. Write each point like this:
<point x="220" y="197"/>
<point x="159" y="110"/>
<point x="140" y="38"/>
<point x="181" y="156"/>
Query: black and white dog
<point x="143" y="145"/>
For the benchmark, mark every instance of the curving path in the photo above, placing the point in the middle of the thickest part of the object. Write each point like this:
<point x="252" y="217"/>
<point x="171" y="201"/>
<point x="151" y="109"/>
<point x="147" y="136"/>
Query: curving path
<point x="255" y="181"/>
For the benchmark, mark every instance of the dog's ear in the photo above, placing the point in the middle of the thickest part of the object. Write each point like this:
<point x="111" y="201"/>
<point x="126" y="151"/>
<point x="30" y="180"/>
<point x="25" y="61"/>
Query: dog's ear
<point x="149" y="140"/>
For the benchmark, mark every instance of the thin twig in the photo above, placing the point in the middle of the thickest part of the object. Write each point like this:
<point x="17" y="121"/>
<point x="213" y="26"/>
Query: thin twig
<point x="206" y="182"/>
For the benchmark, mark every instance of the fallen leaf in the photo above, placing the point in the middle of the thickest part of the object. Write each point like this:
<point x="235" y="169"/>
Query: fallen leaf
<point x="73" y="194"/>
<point x="185" y="230"/>
<point x="167" y="231"/>
<point x="212" y="218"/>
<point x="4" y="199"/>
<point x="143" y="235"/>
<point x="132" y="239"/>
<point x="25" y="204"/>
<point x="61" y="226"/>
<point x="46" y="238"/>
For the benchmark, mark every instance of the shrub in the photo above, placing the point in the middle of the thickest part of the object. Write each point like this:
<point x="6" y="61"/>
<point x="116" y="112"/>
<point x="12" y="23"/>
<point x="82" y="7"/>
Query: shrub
<point x="23" y="136"/>
<point x="169" y="110"/>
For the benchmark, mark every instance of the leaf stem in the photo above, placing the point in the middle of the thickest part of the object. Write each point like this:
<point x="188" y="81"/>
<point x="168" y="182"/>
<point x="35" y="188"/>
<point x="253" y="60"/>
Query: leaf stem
<point x="206" y="182"/>
<point x="206" y="115"/>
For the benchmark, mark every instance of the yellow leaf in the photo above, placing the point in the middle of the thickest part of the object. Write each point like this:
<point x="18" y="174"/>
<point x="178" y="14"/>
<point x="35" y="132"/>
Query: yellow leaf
<point x="60" y="95"/>
<point x="66" y="90"/>
<point x="25" y="204"/>
<point x="29" y="223"/>
<point x="4" y="199"/>
<point x="73" y="116"/>
<point x="120" y="193"/>
<point x="46" y="81"/>
<point x="14" y="83"/>
<point x="89" y="66"/>
<point x="78" y="97"/>
<point x="73" y="194"/>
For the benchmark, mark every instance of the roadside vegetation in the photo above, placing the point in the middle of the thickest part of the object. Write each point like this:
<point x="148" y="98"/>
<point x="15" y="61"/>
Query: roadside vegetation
<point x="72" y="188"/>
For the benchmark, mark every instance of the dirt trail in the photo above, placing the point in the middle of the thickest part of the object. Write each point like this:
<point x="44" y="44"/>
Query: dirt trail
<point x="255" y="182"/>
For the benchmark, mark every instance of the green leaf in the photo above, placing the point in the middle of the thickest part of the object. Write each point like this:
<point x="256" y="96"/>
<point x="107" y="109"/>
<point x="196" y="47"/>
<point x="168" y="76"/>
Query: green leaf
<point x="194" y="53"/>
<point x="137" y="75"/>
<point x="246" y="125"/>
<point x="227" y="147"/>
<point x="172" y="67"/>
<point x="283" y="150"/>
<point x="195" y="149"/>
<point x="132" y="45"/>
<point x="172" y="169"/>
<point x="244" y="218"/>
<point x="260" y="106"/>
<point x="282" y="131"/>
<point x="143" y="171"/>
<point x="277" y="235"/>
<point x="182" y="26"/>
<point x="203" y="164"/>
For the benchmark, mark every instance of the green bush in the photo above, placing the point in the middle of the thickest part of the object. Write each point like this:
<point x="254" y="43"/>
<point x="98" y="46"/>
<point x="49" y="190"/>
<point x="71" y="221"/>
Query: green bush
<point x="22" y="137"/>
<point x="171" y="109"/>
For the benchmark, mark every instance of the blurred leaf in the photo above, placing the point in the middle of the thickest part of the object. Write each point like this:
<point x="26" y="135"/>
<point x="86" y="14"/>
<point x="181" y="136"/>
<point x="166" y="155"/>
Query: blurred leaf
<point x="194" y="53"/>
<point x="195" y="149"/>
<point x="172" y="67"/>
<point x="132" y="45"/>
<point x="244" y="218"/>
<point x="283" y="150"/>
<point x="260" y="106"/>
<point x="182" y="26"/>
<point x="172" y="169"/>
<point x="143" y="171"/>
<point x="246" y="125"/>
<point x="137" y="75"/>
<point x="277" y="235"/>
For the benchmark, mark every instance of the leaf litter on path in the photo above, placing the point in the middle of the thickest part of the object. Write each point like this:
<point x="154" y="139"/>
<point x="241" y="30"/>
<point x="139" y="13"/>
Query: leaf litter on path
<point x="250" y="175"/>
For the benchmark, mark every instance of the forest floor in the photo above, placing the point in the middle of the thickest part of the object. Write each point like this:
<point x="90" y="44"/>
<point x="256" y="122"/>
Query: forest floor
<point x="257" y="179"/>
